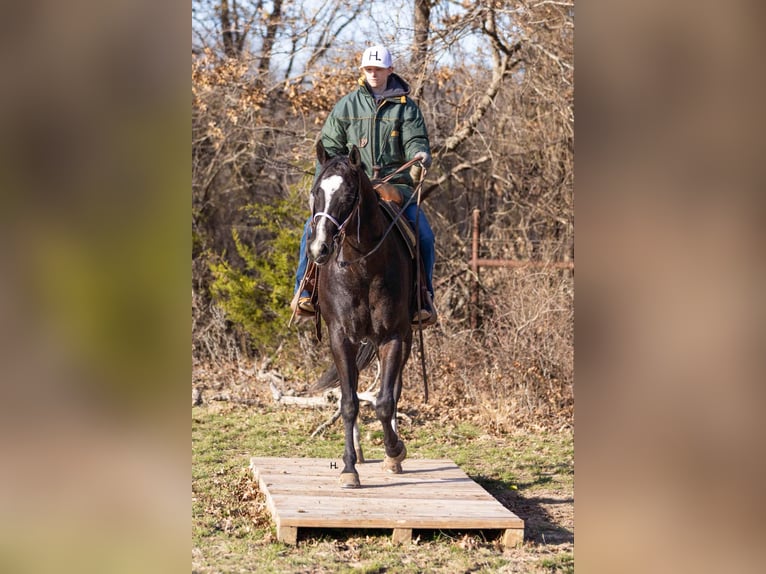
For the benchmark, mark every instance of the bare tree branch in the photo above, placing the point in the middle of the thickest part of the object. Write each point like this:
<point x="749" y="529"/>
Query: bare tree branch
<point x="503" y="64"/>
<point x="453" y="173"/>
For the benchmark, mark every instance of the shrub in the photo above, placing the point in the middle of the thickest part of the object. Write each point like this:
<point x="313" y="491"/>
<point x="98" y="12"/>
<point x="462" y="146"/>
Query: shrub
<point x="256" y="296"/>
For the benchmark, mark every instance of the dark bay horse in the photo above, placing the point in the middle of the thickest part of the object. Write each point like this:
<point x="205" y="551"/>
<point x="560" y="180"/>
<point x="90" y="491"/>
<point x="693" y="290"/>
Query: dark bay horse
<point x="365" y="280"/>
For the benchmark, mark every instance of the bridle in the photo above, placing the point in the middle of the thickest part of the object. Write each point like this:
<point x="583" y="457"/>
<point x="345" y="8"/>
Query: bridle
<point x="340" y="235"/>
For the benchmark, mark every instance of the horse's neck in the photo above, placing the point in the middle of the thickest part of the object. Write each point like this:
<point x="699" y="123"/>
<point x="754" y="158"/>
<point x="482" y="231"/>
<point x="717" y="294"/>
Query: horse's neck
<point x="369" y="213"/>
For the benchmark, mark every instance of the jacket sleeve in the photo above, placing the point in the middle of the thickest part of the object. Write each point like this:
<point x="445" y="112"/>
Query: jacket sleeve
<point x="414" y="132"/>
<point x="333" y="137"/>
<point x="334" y="132"/>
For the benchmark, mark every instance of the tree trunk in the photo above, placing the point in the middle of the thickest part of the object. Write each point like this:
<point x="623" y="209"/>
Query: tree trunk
<point x="420" y="45"/>
<point x="230" y="44"/>
<point x="269" y="38"/>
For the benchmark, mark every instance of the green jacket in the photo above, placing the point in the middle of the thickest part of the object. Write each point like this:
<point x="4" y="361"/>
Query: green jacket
<point x="388" y="135"/>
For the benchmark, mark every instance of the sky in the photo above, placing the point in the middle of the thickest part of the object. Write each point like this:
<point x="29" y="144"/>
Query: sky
<point x="388" y="23"/>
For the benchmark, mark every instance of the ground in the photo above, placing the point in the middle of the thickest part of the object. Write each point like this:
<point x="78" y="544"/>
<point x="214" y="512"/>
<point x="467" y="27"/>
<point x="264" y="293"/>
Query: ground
<point x="530" y="471"/>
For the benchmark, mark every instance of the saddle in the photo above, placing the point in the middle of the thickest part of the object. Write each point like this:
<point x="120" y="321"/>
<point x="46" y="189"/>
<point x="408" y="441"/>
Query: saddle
<point x="403" y="226"/>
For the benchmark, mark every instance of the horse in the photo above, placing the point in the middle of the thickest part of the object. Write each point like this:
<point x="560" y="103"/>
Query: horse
<point x="365" y="295"/>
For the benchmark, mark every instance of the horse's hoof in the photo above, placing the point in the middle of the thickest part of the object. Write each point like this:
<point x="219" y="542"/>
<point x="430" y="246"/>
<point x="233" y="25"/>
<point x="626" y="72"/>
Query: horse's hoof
<point x="390" y="465"/>
<point x="393" y="463"/>
<point x="349" y="480"/>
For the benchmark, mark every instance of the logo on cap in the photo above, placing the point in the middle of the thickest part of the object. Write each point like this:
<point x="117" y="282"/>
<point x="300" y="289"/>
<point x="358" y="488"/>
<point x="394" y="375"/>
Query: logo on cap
<point x="376" y="56"/>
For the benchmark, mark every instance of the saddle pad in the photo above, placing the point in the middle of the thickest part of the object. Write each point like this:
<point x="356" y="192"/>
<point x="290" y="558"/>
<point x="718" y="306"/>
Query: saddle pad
<point x="402" y="225"/>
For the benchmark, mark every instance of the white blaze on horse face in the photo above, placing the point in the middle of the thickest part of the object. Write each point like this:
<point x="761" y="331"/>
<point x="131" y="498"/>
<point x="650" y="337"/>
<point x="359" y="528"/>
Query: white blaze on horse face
<point x="329" y="186"/>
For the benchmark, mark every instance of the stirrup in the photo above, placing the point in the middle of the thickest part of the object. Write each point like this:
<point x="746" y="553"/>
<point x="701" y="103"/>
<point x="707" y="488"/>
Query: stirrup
<point x="427" y="313"/>
<point x="427" y="318"/>
<point x="305" y="305"/>
<point x="423" y="316"/>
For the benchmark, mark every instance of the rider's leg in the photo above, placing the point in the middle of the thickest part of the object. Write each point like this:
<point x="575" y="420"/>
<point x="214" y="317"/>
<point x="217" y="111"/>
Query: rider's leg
<point x="428" y="256"/>
<point x="427" y="243"/>
<point x="302" y="299"/>
<point x="303" y="261"/>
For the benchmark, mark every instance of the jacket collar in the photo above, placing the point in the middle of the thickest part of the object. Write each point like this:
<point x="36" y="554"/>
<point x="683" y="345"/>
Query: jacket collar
<point x="395" y="88"/>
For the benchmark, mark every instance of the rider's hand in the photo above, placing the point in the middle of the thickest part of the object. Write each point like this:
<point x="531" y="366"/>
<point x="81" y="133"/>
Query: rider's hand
<point x="424" y="157"/>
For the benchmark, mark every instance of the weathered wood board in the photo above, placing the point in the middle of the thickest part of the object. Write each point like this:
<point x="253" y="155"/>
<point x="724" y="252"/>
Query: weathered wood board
<point x="429" y="494"/>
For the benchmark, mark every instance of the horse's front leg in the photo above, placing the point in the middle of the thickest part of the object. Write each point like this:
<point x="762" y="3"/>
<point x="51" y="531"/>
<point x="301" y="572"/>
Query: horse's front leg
<point x="391" y="359"/>
<point x="358" y="444"/>
<point x="344" y="354"/>
<point x="406" y="349"/>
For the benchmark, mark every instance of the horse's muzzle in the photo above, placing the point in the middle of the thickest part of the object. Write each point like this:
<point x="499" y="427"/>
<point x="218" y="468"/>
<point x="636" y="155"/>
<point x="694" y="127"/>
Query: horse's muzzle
<point x="319" y="252"/>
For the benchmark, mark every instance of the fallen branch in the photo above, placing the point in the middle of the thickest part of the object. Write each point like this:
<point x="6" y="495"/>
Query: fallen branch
<point x="366" y="397"/>
<point x="327" y="399"/>
<point x="327" y="424"/>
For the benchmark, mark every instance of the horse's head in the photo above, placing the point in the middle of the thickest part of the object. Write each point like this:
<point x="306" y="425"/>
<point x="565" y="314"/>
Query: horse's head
<point x="334" y="198"/>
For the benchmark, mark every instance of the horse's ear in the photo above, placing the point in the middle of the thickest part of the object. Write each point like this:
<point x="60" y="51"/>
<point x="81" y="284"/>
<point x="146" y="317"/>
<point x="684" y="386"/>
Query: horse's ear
<point x="354" y="157"/>
<point x="322" y="156"/>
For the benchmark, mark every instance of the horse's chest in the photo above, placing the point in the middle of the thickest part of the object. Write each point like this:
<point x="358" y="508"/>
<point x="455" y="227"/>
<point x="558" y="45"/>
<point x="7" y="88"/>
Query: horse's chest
<point x="363" y="301"/>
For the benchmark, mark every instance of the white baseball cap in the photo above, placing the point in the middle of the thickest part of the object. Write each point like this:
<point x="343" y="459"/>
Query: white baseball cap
<point x="377" y="57"/>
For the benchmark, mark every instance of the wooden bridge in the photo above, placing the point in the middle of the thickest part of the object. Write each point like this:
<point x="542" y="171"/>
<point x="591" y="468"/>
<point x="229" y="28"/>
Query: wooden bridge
<point x="429" y="494"/>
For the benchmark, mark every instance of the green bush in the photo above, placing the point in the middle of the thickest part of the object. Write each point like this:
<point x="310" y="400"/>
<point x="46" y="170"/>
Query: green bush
<point x="256" y="296"/>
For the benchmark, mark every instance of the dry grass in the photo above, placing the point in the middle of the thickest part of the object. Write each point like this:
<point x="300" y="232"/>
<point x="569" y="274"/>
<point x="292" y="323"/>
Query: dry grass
<point x="531" y="473"/>
<point x="501" y="407"/>
<point x="516" y="371"/>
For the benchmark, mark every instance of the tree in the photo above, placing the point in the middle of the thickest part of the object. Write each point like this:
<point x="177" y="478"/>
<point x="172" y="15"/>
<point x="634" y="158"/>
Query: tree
<point x="422" y="28"/>
<point x="494" y="80"/>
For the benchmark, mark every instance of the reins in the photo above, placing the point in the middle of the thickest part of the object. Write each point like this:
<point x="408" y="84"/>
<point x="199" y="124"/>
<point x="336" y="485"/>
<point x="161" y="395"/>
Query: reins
<point x="401" y="169"/>
<point x="419" y="288"/>
<point x="398" y="215"/>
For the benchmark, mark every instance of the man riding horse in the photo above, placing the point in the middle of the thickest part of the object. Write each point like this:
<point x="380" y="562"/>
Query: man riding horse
<point x="388" y="129"/>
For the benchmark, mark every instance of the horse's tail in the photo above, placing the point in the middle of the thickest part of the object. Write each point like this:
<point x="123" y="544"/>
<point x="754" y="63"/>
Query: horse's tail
<point x="330" y="378"/>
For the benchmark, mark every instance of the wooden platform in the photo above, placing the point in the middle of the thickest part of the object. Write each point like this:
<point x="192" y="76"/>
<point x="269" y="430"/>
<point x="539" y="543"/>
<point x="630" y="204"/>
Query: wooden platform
<point x="429" y="494"/>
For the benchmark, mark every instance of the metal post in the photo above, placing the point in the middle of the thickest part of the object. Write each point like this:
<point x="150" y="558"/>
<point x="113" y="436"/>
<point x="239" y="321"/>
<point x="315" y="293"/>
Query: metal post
<point x="475" y="270"/>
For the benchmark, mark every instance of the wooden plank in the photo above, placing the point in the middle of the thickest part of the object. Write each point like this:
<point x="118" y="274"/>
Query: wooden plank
<point x="314" y="481"/>
<point x="331" y="467"/>
<point x="320" y="472"/>
<point x="402" y="536"/>
<point x="288" y="535"/>
<point x="386" y="488"/>
<point x="513" y="537"/>
<point x="429" y="494"/>
<point x="376" y="513"/>
<point x="446" y="478"/>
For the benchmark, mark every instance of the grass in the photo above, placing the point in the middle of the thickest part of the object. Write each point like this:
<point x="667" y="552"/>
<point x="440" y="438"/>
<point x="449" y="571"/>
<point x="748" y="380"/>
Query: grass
<point x="563" y="563"/>
<point x="232" y="531"/>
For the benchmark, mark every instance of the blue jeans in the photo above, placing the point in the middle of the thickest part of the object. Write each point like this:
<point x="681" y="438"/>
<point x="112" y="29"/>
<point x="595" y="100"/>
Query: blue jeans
<point x="427" y="249"/>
